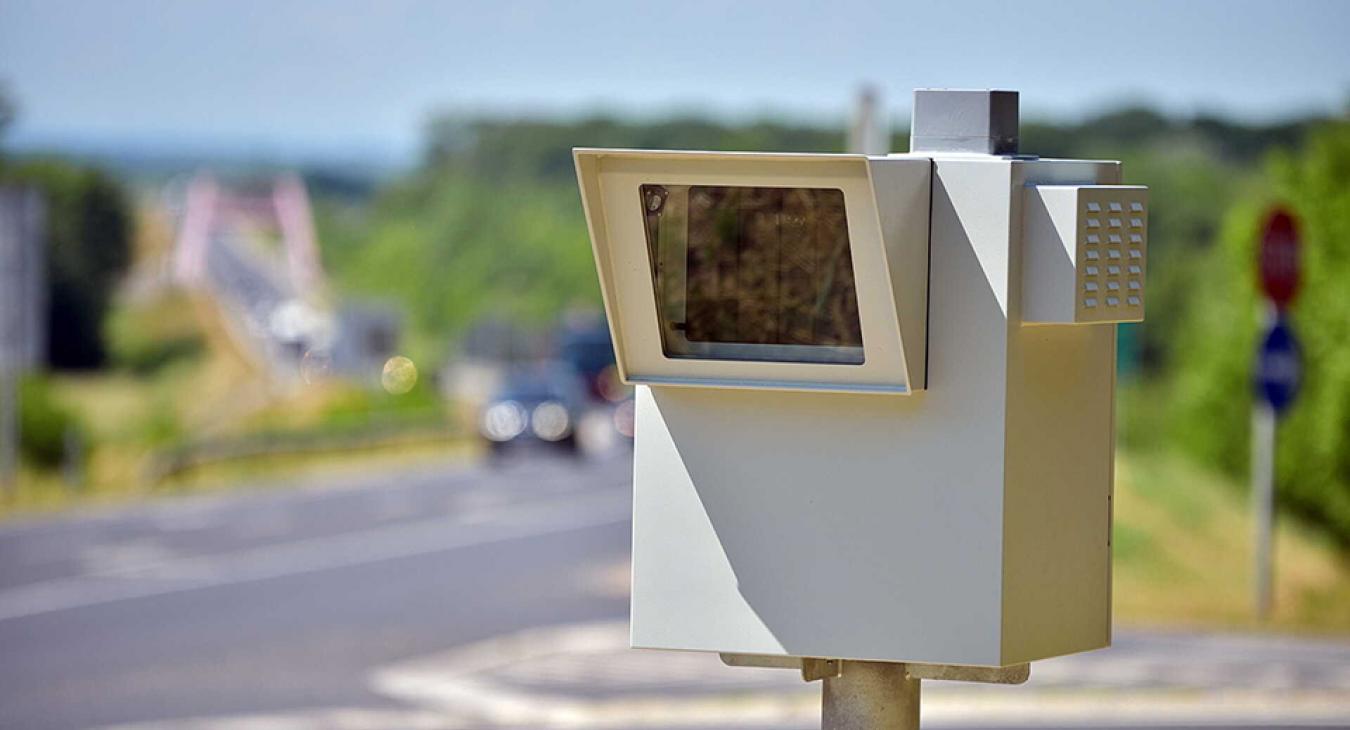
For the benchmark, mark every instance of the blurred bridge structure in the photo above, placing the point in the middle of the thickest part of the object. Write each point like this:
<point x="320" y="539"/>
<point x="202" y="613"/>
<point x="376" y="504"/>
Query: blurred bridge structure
<point x="251" y="248"/>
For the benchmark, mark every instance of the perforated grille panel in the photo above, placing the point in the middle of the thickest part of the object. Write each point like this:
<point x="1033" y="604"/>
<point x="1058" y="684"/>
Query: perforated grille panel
<point x="1112" y="254"/>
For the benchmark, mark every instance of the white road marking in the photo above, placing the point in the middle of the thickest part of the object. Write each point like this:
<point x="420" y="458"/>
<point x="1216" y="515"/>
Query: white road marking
<point x="318" y="719"/>
<point x="449" y="472"/>
<point x="110" y="558"/>
<point x="362" y="547"/>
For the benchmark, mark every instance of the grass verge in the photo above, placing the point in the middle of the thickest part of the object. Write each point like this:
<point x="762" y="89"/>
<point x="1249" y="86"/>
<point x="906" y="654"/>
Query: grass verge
<point x="1183" y="554"/>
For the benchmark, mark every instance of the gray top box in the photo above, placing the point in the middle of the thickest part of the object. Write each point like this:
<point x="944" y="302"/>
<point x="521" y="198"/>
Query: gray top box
<point x="959" y="120"/>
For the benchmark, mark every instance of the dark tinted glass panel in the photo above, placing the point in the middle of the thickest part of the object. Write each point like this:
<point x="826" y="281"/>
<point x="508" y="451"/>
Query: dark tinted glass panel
<point x="750" y="273"/>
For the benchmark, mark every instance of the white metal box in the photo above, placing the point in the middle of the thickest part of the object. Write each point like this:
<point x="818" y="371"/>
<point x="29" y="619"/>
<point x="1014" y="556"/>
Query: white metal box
<point x="802" y="510"/>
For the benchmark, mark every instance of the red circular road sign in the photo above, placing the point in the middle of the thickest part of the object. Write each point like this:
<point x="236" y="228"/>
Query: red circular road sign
<point x="1279" y="257"/>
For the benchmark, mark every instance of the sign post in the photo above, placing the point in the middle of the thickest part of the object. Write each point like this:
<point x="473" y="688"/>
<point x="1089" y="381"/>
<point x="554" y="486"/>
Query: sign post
<point x="23" y="312"/>
<point x="1277" y="376"/>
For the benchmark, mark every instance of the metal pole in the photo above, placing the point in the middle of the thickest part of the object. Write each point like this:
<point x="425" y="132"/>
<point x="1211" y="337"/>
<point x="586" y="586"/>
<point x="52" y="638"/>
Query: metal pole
<point x="9" y="430"/>
<point x="1265" y="423"/>
<point x="870" y="696"/>
<point x="1264" y="427"/>
<point x="13" y="288"/>
<point x="869" y="134"/>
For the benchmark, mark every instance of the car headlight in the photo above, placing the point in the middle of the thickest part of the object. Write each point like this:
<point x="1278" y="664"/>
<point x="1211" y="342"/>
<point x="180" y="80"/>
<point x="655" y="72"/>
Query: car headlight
<point x="503" y="421"/>
<point x="550" y="421"/>
<point x="625" y="418"/>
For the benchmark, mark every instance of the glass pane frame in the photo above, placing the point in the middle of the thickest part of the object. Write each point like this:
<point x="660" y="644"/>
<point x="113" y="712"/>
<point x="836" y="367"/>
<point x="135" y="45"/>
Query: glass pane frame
<point x="885" y="247"/>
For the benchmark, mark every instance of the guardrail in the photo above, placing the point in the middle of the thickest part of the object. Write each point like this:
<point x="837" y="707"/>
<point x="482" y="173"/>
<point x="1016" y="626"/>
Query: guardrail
<point x="186" y="457"/>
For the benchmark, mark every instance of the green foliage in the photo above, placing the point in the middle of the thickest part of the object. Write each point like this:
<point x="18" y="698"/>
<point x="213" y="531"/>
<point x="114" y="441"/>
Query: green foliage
<point x="147" y="356"/>
<point x="1314" y="457"/>
<point x="1211" y="391"/>
<point x="359" y="407"/>
<point x="1109" y="135"/>
<point x="453" y="249"/>
<point x="541" y="150"/>
<point x="145" y="338"/>
<point x="44" y="423"/>
<point x="161" y="425"/>
<point x="88" y="248"/>
<point x="1189" y="190"/>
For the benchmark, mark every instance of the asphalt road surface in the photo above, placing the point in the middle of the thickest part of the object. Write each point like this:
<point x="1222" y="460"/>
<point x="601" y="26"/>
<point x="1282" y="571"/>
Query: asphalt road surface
<point x="461" y="596"/>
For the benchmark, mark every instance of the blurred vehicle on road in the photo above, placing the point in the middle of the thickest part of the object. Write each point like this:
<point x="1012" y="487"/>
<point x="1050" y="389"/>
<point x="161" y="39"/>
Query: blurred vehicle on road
<point x="625" y="418"/>
<point x="540" y="404"/>
<point x="583" y="342"/>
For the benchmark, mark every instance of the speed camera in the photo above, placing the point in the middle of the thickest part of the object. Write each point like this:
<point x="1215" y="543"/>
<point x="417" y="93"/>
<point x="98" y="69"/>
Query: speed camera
<point x="875" y="402"/>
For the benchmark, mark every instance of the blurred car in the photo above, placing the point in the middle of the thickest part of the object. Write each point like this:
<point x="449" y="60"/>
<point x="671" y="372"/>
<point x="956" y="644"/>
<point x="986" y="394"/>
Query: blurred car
<point x="585" y="345"/>
<point x="541" y="405"/>
<point x="625" y="419"/>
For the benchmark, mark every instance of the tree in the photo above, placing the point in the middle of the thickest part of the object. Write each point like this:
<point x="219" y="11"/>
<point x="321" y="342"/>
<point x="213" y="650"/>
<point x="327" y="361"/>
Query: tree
<point x="88" y="248"/>
<point x="1212" y="388"/>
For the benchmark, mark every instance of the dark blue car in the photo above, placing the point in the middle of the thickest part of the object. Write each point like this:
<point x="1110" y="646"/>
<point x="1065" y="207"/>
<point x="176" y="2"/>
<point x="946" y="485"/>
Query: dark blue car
<point x="541" y="404"/>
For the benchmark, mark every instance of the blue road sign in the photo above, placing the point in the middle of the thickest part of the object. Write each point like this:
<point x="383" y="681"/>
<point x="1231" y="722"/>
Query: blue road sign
<point x="1278" y="369"/>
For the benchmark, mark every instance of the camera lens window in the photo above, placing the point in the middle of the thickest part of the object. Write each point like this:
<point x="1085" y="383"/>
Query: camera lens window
<point x="753" y="273"/>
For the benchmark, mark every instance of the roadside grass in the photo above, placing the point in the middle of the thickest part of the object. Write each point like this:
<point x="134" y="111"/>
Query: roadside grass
<point x="410" y="449"/>
<point x="122" y="474"/>
<point x="220" y="424"/>
<point x="1183" y="554"/>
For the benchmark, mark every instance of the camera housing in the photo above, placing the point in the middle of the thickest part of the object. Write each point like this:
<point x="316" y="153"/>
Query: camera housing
<point x="942" y="496"/>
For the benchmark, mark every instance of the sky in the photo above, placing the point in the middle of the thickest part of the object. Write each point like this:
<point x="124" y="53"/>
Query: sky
<point x="345" y="75"/>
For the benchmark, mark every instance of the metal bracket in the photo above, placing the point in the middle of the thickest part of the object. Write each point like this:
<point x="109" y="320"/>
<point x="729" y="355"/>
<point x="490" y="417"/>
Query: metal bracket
<point x="814" y="668"/>
<point x="1011" y="674"/>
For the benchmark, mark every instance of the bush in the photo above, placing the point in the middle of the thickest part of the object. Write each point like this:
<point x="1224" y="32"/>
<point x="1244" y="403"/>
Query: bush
<point x="43" y="424"/>
<point x="452" y="249"/>
<point x="144" y="338"/>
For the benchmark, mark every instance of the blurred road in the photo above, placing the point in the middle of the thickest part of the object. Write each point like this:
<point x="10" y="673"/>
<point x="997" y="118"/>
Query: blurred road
<point x="250" y="292"/>
<point x="455" y="596"/>
<point x="285" y="599"/>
